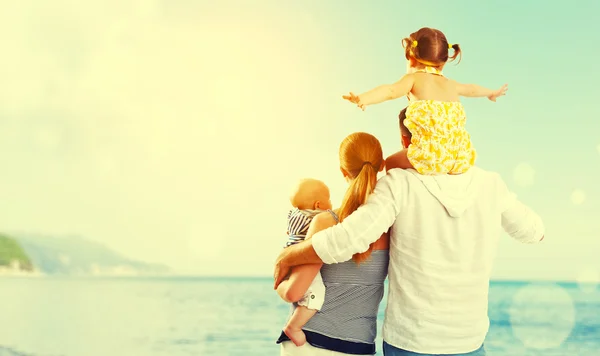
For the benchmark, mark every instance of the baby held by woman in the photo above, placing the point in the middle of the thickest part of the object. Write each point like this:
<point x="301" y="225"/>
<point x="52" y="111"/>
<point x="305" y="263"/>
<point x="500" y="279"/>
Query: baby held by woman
<point x="309" y="198"/>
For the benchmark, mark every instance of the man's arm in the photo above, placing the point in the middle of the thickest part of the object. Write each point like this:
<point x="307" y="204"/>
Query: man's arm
<point x="518" y="220"/>
<point x="367" y="223"/>
<point x="356" y="232"/>
<point x="522" y="223"/>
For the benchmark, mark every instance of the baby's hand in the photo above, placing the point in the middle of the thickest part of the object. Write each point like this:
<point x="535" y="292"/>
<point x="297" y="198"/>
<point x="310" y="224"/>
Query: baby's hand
<point x="498" y="93"/>
<point x="354" y="99"/>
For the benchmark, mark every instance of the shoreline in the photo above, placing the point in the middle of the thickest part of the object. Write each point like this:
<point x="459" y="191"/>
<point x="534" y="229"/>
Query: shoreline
<point x="201" y="278"/>
<point x="20" y="273"/>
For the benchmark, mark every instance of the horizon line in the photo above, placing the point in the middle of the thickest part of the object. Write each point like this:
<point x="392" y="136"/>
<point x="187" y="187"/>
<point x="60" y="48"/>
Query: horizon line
<point x="259" y="277"/>
<point x="495" y="279"/>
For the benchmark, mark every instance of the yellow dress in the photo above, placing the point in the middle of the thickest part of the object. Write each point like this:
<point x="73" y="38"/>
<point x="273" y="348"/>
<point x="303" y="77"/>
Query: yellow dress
<point x="440" y="143"/>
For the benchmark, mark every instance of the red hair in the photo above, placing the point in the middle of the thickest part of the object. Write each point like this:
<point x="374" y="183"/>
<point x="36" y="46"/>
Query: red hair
<point x="361" y="158"/>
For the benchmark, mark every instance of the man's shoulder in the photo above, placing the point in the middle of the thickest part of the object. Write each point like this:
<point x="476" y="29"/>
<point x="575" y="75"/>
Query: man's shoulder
<point x="411" y="176"/>
<point x="400" y="173"/>
<point x="397" y="181"/>
<point x="490" y="175"/>
<point x="397" y="176"/>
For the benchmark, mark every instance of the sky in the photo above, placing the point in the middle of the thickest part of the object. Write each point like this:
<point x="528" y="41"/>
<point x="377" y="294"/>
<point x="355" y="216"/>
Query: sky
<point x="173" y="131"/>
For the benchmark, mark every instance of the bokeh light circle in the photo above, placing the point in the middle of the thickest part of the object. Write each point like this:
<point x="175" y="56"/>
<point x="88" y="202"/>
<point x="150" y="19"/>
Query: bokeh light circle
<point x="542" y="316"/>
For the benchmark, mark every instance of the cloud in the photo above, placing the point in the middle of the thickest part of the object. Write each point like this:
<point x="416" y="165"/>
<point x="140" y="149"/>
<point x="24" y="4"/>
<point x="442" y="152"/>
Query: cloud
<point x="577" y="197"/>
<point x="524" y="175"/>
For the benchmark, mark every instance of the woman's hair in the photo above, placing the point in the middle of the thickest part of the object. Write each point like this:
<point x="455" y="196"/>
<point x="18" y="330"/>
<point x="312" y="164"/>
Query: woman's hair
<point x="361" y="158"/>
<point x="430" y="47"/>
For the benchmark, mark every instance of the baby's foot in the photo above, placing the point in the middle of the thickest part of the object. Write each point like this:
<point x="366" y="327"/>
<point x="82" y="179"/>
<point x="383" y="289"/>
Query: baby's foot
<point x="295" y="334"/>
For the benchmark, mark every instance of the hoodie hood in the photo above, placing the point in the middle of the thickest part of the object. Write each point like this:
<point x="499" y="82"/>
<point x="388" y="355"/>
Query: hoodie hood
<point x="455" y="192"/>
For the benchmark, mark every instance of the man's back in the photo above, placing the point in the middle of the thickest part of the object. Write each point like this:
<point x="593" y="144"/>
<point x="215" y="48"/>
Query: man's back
<point x="444" y="235"/>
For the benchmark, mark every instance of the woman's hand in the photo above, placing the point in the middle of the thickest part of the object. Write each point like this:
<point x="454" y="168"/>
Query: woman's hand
<point x="301" y="253"/>
<point x="281" y="268"/>
<point x="498" y="93"/>
<point x="355" y="99"/>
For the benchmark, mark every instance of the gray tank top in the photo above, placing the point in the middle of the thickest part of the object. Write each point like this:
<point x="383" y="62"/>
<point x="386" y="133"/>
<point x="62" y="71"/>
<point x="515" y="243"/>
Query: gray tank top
<point x="352" y="296"/>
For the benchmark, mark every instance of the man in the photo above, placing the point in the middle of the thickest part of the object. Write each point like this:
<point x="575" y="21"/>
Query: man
<point x="444" y="234"/>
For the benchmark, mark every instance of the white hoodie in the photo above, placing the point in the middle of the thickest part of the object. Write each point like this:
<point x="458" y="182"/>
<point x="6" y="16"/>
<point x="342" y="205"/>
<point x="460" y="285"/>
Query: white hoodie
<point x="443" y="239"/>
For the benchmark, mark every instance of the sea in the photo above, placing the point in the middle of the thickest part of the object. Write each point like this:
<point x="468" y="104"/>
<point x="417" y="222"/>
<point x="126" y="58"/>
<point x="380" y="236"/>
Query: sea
<point x="243" y="316"/>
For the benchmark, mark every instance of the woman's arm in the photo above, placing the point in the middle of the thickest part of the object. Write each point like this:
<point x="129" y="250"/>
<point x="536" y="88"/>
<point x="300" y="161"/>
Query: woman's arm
<point x="292" y="289"/>
<point x="388" y="91"/>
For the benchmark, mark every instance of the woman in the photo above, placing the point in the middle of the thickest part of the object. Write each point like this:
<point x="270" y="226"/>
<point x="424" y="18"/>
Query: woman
<point x="347" y="322"/>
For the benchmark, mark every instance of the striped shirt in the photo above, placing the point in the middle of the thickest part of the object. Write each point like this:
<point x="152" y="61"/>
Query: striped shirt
<point x="347" y="322"/>
<point x="298" y="223"/>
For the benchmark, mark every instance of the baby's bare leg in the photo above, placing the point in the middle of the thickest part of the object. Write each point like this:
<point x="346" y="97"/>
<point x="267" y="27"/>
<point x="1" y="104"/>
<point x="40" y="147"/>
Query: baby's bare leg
<point x="293" y="328"/>
<point x="398" y="160"/>
<point x="307" y="307"/>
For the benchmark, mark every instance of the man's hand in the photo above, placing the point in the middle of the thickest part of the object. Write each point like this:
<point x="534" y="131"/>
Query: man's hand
<point x="281" y="269"/>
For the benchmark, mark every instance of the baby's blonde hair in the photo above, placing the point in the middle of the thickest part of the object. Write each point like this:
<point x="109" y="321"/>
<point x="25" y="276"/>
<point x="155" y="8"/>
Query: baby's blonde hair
<point x="308" y="191"/>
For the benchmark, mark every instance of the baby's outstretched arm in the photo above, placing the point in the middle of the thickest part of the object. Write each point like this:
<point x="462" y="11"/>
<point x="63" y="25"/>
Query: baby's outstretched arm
<point x="477" y="91"/>
<point x="383" y="92"/>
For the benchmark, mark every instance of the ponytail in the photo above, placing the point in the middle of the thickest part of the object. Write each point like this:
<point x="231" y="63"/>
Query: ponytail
<point x="457" y="53"/>
<point x="409" y="49"/>
<point x="357" y="194"/>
